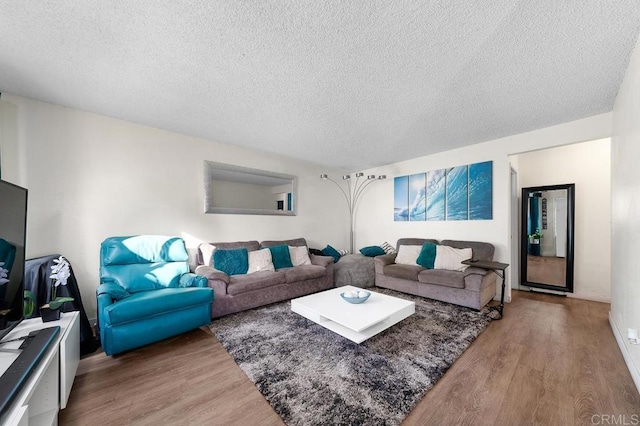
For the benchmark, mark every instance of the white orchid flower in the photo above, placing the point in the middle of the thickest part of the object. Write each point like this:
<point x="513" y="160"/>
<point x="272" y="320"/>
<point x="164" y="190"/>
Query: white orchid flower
<point x="60" y="271"/>
<point x="4" y="273"/>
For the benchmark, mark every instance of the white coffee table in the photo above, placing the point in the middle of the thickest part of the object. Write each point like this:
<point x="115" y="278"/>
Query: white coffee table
<point x="355" y="322"/>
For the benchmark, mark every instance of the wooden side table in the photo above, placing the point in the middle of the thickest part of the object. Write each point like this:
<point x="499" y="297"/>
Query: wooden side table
<point x="499" y="269"/>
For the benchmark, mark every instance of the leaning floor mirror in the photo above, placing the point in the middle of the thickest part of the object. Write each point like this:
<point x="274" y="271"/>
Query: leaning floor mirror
<point x="547" y="237"/>
<point x="231" y="189"/>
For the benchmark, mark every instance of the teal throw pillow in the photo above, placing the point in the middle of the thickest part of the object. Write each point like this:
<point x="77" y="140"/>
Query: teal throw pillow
<point x="280" y="256"/>
<point x="427" y="256"/>
<point x="372" y="251"/>
<point x="232" y="261"/>
<point x="330" y="251"/>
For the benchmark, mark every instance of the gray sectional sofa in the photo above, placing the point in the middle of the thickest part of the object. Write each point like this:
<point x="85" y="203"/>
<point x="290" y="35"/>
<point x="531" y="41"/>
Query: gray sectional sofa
<point x="474" y="287"/>
<point x="236" y="293"/>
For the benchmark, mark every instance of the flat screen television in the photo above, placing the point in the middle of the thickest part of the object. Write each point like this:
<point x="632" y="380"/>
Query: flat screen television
<point x="13" y="229"/>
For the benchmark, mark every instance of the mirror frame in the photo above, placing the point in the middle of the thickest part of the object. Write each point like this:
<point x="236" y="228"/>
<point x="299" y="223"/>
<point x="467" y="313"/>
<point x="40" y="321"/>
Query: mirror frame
<point x="209" y="171"/>
<point x="524" y="237"/>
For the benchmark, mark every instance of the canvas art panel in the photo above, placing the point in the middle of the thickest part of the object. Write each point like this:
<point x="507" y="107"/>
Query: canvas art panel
<point x="457" y="193"/>
<point x="481" y="191"/>
<point x="436" y="193"/>
<point x="401" y="199"/>
<point x="417" y="197"/>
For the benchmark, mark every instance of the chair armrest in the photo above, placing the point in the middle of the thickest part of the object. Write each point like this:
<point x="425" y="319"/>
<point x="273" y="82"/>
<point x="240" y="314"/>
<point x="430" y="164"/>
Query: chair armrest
<point x="106" y="294"/>
<point x="192" y="280"/>
<point x="113" y="290"/>
<point x="321" y="260"/>
<point x="381" y="261"/>
<point x="212" y="274"/>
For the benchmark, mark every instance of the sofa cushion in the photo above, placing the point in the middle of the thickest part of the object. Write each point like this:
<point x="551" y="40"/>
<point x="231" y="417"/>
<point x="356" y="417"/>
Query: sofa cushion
<point x="442" y="277"/>
<point x="242" y="283"/>
<point x="388" y="248"/>
<point x="280" y="257"/>
<point x="260" y="260"/>
<point x="143" y="249"/>
<point x="481" y="251"/>
<point x="231" y="262"/>
<point x="299" y="255"/>
<point x="372" y="251"/>
<point x="330" y="251"/>
<point x="145" y="276"/>
<point x="413" y="242"/>
<point x="304" y="272"/>
<point x="427" y="256"/>
<point x="205" y="250"/>
<point x="296" y="242"/>
<point x="408" y="255"/>
<point x="450" y="258"/>
<point x="407" y="272"/>
<point x="149" y="303"/>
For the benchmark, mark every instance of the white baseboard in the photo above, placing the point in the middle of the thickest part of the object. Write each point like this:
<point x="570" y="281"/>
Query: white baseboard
<point x="625" y="353"/>
<point x="542" y="290"/>
<point x="583" y="296"/>
<point x="591" y="297"/>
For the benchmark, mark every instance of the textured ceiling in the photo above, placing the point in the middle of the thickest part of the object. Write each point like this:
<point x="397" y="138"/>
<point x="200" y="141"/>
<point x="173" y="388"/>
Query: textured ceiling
<point x="348" y="84"/>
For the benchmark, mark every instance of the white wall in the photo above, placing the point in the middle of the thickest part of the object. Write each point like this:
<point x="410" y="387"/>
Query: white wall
<point x="588" y="165"/>
<point x="90" y="177"/>
<point x="375" y="223"/>
<point x="625" y="261"/>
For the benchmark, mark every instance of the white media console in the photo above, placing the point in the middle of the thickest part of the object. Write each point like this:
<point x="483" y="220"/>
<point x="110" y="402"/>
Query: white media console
<point x="47" y="389"/>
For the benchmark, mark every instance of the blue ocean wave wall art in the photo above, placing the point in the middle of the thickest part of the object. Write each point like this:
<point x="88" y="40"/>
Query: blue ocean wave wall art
<point x="401" y="199"/>
<point x="458" y="193"/>
<point x="481" y="191"/>
<point x="436" y="194"/>
<point x="418" y="197"/>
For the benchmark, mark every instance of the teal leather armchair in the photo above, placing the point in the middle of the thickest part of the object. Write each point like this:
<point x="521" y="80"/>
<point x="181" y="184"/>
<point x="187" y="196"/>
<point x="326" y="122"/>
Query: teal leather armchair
<point x="147" y="293"/>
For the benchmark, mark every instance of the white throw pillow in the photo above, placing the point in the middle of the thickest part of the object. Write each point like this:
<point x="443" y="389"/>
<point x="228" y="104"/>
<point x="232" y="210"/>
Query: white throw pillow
<point x="260" y="260"/>
<point x="449" y="258"/>
<point x="207" y="253"/>
<point x="407" y="255"/>
<point x="299" y="255"/>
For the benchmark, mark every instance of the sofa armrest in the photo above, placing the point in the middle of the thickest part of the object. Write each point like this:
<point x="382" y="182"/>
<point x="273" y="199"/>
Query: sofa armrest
<point x="106" y="294"/>
<point x="192" y="280"/>
<point x="212" y="274"/>
<point x="477" y="282"/>
<point x="112" y="290"/>
<point x="381" y="261"/>
<point x="321" y="260"/>
<point x="477" y="271"/>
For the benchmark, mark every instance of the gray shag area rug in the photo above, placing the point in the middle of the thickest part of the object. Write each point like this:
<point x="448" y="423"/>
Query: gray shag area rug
<point x="312" y="376"/>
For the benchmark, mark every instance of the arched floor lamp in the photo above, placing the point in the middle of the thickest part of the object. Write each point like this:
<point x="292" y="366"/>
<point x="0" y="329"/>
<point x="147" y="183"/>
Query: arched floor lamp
<point x="352" y="195"/>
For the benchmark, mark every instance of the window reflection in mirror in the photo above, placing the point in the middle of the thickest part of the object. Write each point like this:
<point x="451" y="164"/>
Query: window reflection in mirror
<point x="240" y="190"/>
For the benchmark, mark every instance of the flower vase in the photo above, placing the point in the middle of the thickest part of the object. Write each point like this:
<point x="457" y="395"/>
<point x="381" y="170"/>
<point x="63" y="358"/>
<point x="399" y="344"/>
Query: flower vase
<point x="49" y="314"/>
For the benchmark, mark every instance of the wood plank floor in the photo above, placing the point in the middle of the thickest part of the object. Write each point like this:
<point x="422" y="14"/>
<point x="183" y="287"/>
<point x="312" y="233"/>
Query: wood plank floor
<point x="550" y="361"/>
